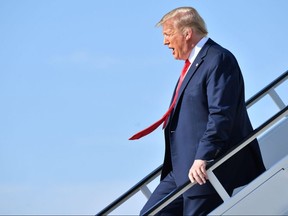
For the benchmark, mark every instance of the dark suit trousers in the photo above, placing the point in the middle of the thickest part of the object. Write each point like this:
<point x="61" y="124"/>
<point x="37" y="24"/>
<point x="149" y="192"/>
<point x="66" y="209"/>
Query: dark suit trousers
<point x="183" y="205"/>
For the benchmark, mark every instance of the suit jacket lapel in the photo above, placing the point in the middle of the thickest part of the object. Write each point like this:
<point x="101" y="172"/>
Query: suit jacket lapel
<point x="194" y="67"/>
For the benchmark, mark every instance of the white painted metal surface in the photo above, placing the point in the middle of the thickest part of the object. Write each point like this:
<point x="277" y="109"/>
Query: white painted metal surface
<point x="274" y="144"/>
<point x="268" y="194"/>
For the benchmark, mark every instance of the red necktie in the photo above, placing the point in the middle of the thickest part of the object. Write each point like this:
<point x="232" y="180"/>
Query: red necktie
<point x="166" y="115"/>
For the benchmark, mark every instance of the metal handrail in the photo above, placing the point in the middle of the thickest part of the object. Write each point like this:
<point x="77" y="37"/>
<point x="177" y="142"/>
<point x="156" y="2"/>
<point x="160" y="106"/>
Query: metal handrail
<point x="210" y="167"/>
<point x="146" y="180"/>
<point x="154" y="174"/>
<point x="266" y="89"/>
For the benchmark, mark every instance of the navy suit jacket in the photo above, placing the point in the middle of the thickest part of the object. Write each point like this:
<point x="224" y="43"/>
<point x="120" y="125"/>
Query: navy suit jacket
<point x="209" y="118"/>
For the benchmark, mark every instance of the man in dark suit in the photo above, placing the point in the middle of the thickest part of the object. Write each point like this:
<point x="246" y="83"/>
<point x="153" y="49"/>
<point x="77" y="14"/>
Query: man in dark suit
<point x="208" y="117"/>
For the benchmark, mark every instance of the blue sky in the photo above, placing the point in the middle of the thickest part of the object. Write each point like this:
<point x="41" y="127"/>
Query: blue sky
<point x="78" y="78"/>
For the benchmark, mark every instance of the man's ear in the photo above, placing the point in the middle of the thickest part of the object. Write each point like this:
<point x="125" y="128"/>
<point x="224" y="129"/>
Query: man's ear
<point x="188" y="33"/>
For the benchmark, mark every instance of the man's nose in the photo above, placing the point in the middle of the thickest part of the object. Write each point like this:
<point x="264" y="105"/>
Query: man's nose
<point x="165" y="41"/>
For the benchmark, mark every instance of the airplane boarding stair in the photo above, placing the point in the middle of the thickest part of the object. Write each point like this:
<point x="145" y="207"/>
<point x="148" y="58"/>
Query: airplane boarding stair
<point x="268" y="193"/>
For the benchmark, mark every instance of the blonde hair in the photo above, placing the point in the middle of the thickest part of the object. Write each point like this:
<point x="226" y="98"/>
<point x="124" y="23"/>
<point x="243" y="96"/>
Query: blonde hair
<point x="185" y="17"/>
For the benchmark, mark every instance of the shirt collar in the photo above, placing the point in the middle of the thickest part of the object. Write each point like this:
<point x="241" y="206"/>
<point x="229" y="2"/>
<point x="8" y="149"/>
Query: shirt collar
<point x="197" y="49"/>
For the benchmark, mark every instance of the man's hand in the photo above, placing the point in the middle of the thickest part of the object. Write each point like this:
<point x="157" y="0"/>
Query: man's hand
<point x="198" y="172"/>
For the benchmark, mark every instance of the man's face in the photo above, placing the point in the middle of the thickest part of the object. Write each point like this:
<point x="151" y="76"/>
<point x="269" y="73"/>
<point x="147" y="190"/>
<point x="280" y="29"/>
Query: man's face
<point x="175" y="40"/>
